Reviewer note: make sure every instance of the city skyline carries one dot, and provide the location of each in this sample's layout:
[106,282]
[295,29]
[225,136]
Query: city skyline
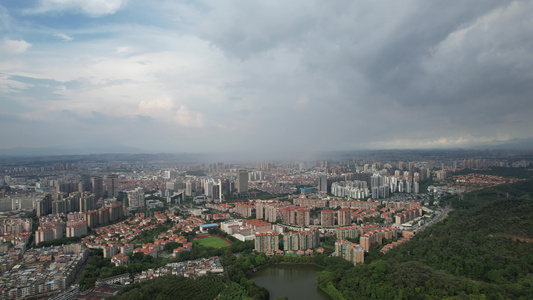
[203,76]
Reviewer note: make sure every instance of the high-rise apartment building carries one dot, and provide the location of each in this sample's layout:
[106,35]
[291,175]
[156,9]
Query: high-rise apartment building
[44,206]
[87,203]
[327,218]
[112,186]
[225,187]
[97,187]
[66,187]
[351,252]
[267,242]
[215,193]
[322,183]
[345,217]
[188,188]
[348,232]
[221,189]
[303,217]
[242,182]
[302,240]
[136,198]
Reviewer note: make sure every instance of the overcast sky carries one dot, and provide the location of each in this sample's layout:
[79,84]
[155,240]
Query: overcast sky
[174,76]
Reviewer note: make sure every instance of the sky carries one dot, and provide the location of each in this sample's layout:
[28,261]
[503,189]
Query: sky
[300,76]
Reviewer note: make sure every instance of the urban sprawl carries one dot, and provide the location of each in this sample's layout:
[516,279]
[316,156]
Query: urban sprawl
[55,213]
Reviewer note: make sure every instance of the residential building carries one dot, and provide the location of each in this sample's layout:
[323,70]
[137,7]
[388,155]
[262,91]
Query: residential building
[265,242]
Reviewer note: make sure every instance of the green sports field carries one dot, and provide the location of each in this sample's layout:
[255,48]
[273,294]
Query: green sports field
[213,242]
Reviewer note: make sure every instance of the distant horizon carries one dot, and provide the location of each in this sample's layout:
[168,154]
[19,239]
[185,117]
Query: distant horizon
[26,152]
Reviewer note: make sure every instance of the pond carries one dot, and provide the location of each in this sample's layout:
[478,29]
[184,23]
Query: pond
[296,281]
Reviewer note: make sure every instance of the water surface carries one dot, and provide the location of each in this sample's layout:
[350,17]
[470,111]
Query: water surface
[295,281]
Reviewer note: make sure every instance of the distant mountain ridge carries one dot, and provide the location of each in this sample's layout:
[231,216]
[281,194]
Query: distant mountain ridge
[113,148]
[518,144]
[69,150]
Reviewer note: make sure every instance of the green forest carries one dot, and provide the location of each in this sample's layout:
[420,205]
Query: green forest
[175,287]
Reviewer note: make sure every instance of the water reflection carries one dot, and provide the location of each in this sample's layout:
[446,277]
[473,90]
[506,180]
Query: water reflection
[294,281]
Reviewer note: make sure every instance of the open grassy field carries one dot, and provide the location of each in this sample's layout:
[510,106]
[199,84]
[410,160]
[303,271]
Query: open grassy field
[213,242]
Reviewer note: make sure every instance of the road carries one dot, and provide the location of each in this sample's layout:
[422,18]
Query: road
[438,218]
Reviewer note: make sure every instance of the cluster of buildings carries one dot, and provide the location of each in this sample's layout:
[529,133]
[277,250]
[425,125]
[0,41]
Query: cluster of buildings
[191,268]
[369,236]
[270,187]
[17,202]
[61,204]
[218,216]
[188,225]
[14,236]
[372,182]
[267,242]
[226,207]
[243,209]
[301,240]
[246,230]
[55,226]
[215,189]
[43,272]
[10,226]
[110,213]
[155,248]
[408,215]
[393,245]
[123,232]
[375,237]
[72,201]
[51,227]
[116,240]
[473,182]
[356,189]
[286,212]
[327,217]
[270,211]
[350,251]
[311,202]
[333,212]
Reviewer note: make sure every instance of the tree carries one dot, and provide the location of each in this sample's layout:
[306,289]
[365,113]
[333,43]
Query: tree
[260,259]
[172,245]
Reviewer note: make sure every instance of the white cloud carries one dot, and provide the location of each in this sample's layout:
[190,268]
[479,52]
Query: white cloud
[123,50]
[188,118]
[63,37]
[156,108]
[442,142]
[11,86]
[93,8]
[14,46]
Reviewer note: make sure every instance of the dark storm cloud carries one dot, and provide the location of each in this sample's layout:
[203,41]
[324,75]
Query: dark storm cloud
[466,62]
